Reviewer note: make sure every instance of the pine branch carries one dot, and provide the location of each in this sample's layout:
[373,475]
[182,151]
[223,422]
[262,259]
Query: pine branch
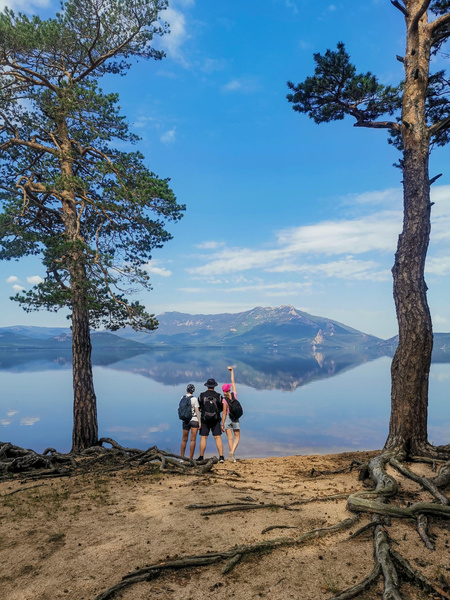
[378,125]
[400,7]
[422,10]
[441,21]
[443,124]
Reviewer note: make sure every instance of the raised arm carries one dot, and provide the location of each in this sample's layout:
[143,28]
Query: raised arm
[233,384]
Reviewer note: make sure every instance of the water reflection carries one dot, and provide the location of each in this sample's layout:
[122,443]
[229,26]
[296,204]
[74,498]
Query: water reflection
[294,403]
[267,369]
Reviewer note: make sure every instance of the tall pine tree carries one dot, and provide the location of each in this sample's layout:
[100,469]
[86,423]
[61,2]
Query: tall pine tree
[93,212]
[417,115]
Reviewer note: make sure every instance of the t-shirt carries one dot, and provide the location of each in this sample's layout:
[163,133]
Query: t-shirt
[194,405]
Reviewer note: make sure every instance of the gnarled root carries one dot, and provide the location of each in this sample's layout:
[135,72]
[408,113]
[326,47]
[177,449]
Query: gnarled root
[232,557]
[31,465]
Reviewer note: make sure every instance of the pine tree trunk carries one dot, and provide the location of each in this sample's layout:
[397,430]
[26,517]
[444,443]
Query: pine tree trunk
[411,364]
[85,428]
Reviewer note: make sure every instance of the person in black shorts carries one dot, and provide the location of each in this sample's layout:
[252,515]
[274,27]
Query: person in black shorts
[210,403]
[193,426]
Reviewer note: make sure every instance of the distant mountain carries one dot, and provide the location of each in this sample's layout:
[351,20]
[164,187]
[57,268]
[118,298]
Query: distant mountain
[441,346]
[11,337]
[282,326]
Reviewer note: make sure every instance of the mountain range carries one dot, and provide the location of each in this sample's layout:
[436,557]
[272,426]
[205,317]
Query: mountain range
[284,327]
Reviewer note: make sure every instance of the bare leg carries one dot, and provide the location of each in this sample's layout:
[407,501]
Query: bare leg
[219,444]
[184,440]
[203,444]
[194,432]
[237,436]
[230,439]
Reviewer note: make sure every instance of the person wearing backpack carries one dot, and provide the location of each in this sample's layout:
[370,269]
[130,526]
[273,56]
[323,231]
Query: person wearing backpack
[211,406]
[232,410]
[189,413]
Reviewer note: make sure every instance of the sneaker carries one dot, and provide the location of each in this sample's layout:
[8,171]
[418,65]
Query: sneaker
[199,458]
[221,459]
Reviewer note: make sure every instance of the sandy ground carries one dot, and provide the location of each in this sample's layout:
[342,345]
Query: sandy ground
[73,538]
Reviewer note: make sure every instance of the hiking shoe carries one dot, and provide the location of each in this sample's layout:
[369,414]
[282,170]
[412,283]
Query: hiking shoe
[199,458]
[221,459]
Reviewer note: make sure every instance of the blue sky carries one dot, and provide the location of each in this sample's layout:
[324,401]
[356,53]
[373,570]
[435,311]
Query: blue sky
[279,210]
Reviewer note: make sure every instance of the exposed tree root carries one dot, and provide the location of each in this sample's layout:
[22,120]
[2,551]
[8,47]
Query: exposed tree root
[232,557]
[24,464]
[423,481]
[236,506]
[381,502]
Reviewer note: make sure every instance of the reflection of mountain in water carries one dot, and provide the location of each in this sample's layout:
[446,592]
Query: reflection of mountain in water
[21,361]
[260,369]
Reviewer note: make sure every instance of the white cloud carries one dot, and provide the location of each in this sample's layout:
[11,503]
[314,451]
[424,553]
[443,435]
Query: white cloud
[212,65]
[347,268]
[5,422]
[438,265]
[437,320]
[212,245]
[357,236]
[292,5]
[161,271]
[34,279]
[168,137]
[391,197]
[143,121]
[243,85]
[172,42]
[18,288]
[12,279]
[28,421]
[25,5]
[298,249]
[373,233]
[11,413]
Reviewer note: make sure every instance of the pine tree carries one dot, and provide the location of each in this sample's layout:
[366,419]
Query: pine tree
[91,210]
[417,115]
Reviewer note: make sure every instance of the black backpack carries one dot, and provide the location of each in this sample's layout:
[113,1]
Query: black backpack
[211,410]
[184,409]
[235,409]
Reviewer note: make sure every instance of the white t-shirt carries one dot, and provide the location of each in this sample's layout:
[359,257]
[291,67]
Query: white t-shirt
[194,405]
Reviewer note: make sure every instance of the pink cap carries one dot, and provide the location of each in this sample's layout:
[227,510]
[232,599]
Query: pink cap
[226,387]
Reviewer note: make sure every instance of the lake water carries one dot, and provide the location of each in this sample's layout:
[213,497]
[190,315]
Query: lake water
[293,404]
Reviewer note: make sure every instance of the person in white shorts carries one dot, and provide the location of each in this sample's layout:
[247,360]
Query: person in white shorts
[231,428]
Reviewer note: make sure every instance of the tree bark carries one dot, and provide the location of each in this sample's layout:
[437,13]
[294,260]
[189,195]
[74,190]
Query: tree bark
[411,364]
[85,428]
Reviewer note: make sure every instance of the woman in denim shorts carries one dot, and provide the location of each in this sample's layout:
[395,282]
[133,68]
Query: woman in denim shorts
[230,427]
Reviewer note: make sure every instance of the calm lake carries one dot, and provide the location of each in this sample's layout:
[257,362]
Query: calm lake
[293,404]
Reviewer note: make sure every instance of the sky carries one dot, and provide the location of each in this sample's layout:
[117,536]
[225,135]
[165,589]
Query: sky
[279,210]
